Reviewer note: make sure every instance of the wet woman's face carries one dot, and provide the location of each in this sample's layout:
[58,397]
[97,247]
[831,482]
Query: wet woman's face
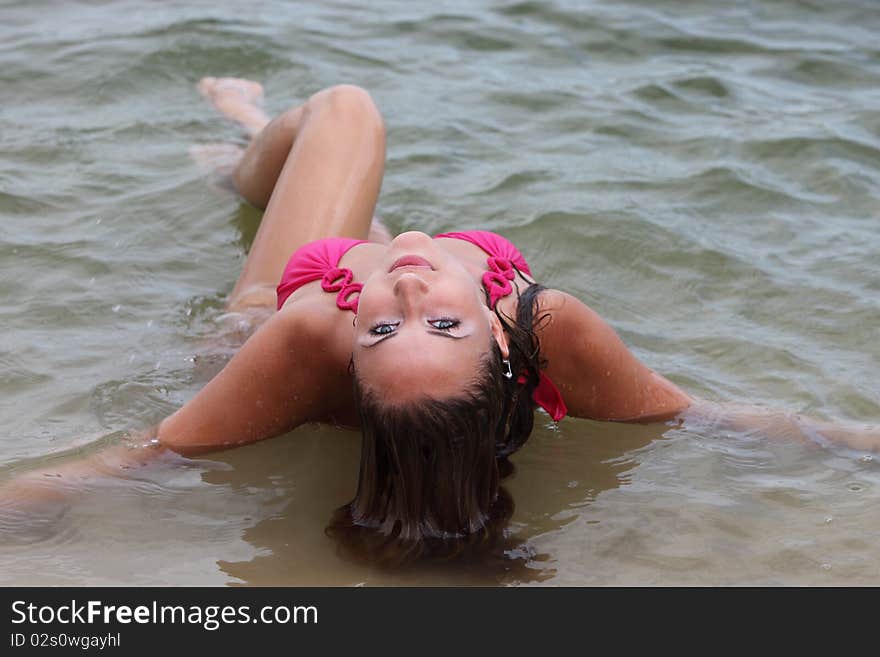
[422,327]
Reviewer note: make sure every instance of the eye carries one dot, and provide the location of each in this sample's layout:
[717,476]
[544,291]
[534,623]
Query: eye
[444,324]
[384,328]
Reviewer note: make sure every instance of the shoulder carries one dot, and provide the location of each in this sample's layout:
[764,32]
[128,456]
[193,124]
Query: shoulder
[564,324]
[557,309]
[551,309]
[550,300]
[599,377]
[311,317]
[314,322]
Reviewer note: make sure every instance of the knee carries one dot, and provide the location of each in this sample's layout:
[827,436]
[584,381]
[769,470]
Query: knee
[348,102]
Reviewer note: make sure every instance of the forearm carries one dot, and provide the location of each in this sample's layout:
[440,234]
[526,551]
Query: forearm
[60,478]
[741,418]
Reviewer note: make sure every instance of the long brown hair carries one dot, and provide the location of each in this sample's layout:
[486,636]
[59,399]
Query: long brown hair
[430,471]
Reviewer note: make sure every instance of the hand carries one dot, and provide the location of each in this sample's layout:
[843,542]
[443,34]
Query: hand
[33,502]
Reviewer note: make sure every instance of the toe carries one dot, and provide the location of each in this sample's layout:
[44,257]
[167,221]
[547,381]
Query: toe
[206,86]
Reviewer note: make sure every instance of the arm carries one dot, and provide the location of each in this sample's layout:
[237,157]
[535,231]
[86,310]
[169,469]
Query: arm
[745,419]
[600,378]
[277,381]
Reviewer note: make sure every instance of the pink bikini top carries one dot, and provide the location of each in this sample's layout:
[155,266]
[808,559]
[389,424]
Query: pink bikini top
[320,260]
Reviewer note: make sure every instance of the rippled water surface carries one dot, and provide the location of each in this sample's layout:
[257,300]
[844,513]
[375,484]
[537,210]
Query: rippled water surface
[705,175]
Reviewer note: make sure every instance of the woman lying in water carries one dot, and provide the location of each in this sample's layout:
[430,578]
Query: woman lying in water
[439,348]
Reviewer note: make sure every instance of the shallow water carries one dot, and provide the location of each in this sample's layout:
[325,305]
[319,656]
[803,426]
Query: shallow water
[705,175]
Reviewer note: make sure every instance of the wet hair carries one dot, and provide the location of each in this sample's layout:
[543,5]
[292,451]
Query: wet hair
[430,471]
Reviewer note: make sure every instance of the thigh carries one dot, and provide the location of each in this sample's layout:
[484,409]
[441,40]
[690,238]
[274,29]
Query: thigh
[327,186]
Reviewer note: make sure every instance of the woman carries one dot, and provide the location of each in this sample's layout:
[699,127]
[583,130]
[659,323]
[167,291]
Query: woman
[439,348]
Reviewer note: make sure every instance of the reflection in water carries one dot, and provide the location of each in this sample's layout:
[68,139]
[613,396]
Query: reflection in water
[596,503]
[315,471]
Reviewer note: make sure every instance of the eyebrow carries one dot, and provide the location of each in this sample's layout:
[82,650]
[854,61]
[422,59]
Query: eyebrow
[442,334]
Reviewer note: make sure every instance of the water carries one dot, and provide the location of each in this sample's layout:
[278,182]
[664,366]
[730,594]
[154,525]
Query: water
[705,175]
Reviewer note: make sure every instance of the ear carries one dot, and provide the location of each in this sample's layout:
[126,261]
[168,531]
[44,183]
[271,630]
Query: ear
[498,334]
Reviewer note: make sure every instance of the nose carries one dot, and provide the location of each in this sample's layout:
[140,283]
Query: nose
[409,287]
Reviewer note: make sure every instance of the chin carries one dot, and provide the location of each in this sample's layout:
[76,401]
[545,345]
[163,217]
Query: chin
[411,238]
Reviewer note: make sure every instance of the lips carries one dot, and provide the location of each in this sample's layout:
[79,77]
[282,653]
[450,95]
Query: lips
[410,261]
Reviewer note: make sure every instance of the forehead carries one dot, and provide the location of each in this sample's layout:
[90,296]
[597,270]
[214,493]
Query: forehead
[420,365]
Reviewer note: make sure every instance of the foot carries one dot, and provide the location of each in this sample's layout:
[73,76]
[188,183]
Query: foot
[237,99]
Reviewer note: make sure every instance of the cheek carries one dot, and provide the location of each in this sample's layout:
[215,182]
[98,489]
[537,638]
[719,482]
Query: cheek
[373,299]
[461,288]
[465,301]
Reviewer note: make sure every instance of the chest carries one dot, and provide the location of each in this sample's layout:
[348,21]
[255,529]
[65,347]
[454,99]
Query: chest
[341,284]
